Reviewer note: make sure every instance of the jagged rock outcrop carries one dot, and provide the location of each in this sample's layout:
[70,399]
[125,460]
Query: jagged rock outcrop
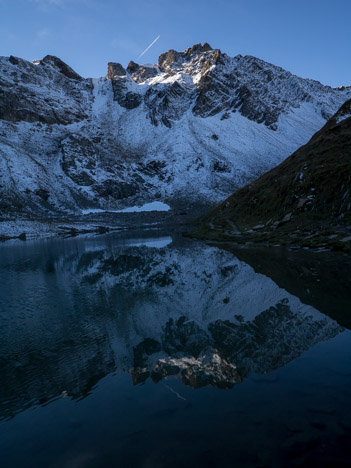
[115,69]
[144,73]
[62,67]
[169,60]
[132,67]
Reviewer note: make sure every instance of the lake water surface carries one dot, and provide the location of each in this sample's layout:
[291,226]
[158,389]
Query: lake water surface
[157,351]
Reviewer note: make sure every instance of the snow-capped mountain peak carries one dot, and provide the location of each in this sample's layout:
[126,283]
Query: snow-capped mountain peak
[194,127]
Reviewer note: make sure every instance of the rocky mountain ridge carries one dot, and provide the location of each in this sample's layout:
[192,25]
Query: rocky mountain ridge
[189,130]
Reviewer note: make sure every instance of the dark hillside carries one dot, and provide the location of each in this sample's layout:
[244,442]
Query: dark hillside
[305,200]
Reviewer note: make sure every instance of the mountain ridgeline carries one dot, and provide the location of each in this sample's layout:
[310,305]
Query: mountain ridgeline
[188,131]
[304,200]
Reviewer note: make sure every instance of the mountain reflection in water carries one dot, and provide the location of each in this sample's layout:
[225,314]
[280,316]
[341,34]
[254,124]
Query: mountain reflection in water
[73,311]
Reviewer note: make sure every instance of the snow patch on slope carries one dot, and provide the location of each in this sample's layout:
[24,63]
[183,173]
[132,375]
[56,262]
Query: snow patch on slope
[153,206]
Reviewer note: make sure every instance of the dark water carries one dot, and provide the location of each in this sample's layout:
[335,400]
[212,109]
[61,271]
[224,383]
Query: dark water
[161,352]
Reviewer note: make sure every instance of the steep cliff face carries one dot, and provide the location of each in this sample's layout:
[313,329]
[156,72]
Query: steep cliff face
[195,127]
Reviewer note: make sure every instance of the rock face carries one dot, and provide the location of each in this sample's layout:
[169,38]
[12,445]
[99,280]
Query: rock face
[209,122]
[172,57]
[48,91]
[61,66]
[125,98]
[115,69]
[132,67]
[143,73]
[308,195]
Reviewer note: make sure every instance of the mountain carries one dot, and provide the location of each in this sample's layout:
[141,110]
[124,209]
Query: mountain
[304,200]
[189,130]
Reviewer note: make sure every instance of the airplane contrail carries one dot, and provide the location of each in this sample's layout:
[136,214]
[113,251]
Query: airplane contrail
[147,48]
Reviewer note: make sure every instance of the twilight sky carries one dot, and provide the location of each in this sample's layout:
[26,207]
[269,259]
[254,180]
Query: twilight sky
[310,38]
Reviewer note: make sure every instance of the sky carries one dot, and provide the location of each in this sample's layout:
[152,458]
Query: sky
[310,38]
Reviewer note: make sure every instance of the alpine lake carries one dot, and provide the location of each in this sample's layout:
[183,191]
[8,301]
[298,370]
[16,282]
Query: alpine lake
[149,349]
